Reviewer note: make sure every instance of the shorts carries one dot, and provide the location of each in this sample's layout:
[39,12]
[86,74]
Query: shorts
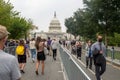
[22,58]
[41,56]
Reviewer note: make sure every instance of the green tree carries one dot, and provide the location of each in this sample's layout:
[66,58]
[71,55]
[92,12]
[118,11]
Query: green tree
[106,14]
[70,24]
[18,27]
[5,12]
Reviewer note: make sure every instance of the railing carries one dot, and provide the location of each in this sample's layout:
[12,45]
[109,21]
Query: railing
[72,69]
[10,50]
[113,54]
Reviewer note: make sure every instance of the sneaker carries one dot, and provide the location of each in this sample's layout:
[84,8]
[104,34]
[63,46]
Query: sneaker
[36,72]
[22,71]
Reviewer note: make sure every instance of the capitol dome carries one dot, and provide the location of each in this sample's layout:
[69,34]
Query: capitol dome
[55,25]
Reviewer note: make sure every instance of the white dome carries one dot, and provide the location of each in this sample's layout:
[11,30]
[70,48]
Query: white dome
[55,25]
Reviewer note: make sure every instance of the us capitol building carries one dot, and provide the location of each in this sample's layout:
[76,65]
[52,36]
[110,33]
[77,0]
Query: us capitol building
[54,31]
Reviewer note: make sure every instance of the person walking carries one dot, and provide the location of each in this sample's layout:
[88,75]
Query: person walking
[9,67]
[49,45]
[54,46]
[22,58]
[39,44]
[33,49]
[89,55]
[99,50]
[79,49]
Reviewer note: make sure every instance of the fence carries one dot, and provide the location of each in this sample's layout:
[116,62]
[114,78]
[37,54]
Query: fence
[10,50]
[113,54]
[72,69]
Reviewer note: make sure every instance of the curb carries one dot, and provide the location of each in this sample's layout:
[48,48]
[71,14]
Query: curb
[114,62]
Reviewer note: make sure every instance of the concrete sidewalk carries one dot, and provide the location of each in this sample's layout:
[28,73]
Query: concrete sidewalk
[113,61]
[112,71]
[53,70]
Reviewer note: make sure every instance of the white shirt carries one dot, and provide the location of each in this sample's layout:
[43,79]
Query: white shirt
[54,44]
[32,44]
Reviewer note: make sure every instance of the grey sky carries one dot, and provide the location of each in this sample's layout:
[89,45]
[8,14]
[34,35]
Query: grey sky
[42,11]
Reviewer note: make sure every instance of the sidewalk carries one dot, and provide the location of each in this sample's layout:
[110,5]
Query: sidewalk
[53,70]
[112,72]
[114,61]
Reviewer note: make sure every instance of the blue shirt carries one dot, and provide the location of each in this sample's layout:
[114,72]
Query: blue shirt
[96,45]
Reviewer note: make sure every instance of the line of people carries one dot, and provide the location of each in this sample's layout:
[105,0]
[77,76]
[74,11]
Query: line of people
[94,52]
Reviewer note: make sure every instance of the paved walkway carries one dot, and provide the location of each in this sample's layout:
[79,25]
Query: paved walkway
[112,71]
[53,70]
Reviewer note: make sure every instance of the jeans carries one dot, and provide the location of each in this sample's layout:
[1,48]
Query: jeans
[33,53]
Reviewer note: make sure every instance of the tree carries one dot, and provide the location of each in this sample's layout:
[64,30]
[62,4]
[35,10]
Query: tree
[19,28]
[5,12]
[69,23]
[106,14]
[16,25]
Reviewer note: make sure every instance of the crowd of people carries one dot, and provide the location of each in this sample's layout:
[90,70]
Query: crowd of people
[38,49]
[94,52]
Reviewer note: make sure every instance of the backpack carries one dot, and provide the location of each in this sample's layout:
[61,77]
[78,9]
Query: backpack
[20,50]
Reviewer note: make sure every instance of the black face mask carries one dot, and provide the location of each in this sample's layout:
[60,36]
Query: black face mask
[99,40]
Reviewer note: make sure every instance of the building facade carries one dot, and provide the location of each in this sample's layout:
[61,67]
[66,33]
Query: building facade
[54,30]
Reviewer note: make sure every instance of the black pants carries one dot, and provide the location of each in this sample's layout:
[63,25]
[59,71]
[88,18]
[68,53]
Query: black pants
[89,62]
[100,69]
[54,53]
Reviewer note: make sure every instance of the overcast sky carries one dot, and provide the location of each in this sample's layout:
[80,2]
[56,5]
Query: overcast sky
[42,11]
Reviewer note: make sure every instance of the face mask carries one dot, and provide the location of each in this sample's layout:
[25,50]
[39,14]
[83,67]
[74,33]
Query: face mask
[99,40]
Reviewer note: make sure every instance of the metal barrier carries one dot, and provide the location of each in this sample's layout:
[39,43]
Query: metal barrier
[72,69]
[113,54]
[10,50]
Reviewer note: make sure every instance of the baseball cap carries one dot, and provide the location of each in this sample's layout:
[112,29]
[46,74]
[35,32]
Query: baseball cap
[3,32]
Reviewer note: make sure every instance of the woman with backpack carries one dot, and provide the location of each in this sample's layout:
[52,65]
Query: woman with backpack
[22,52]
